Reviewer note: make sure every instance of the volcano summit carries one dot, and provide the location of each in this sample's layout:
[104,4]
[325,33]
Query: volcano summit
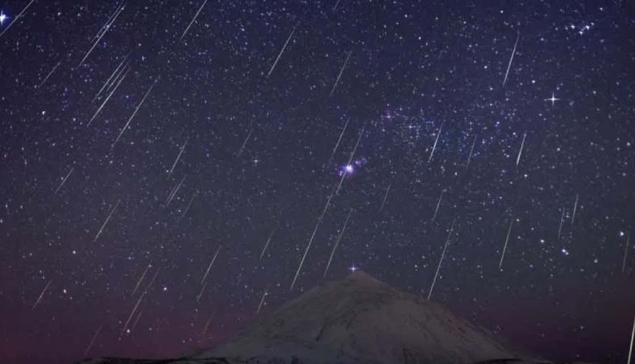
[352,321]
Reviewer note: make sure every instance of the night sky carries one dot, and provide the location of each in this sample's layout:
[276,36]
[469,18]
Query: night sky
[232,129]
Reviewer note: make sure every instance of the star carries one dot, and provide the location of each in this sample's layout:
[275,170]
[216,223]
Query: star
[353,268]
[553,99]
[3,17]
[347,170]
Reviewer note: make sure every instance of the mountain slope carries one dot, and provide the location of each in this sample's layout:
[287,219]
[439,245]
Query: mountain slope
[356,320]
[362,320]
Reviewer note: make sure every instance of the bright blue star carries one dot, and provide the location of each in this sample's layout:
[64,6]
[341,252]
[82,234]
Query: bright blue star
[349,170]
[3,17]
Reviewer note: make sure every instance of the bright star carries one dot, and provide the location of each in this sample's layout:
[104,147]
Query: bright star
[3,17]
[553,99]
[353,268]
[350,169]
[347,170]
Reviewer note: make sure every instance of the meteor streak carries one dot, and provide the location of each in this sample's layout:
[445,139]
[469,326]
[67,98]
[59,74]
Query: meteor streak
[434,147]
[281,51]
[108,97]
[244,143]
[193,20]
[337,242]
[63,181]
[41,294]
[509,231]
[339,140]
[385,197]
[101,33]
[210,265]
[341,72]
[49,74]
[178,157]
[107,219]
[141,278]
[267,243]
[207,323]
[113,76]
[469,158]
[200,294]
[262,300]
[630,350]
[628,243]
[575,207]
[125,326]
[175,190]
[445,246]
[561,221]
[438,204]
[520,152]
[135,112]
[509,66]
[189,204]
[93,340]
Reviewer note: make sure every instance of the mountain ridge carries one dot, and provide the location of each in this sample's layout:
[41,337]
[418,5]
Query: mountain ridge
[355,320]
[362,317]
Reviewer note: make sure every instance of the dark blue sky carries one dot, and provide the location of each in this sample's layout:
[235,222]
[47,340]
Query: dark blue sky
[202,146]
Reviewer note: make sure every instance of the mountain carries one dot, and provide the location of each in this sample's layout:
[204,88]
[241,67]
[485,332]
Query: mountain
[353,321]
[362,320]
